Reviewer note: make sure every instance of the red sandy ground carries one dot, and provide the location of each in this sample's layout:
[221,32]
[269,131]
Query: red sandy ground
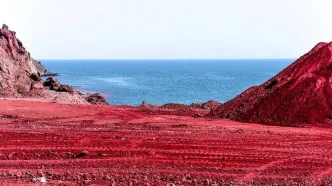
[124,146]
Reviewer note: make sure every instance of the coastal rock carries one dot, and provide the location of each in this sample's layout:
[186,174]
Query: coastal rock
[50,74]
[15,65]
[52,83]
[20,75]
[36,85]
[42,70]
[35,77]
[66,88]
[96,99]
[299,94]
[39,67]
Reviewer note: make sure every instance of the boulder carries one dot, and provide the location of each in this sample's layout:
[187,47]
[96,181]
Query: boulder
[52,83]
[35,76]
[66,88]
[96,99]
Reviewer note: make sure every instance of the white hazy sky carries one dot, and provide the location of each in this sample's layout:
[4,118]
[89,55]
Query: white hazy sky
[126,29]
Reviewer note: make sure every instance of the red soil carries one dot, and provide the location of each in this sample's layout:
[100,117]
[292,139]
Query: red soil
[299,94]
[104,145]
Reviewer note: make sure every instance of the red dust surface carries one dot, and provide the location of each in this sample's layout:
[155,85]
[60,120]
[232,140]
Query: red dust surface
[104,145]
[301,93]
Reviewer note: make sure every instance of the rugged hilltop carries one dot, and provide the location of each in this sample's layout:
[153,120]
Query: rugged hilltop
[20,76]
[301,93]
[15,64]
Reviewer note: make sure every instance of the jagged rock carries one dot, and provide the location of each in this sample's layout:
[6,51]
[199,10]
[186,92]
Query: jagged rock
[299,94]
[35,76]
[4,26]
[15,65]
[50,74]
[52,83]
[66,88]
[96,99]
[20,74]
[40,68]
[36,85]
[82,154]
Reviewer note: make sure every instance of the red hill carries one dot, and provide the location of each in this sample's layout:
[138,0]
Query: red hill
[301,93]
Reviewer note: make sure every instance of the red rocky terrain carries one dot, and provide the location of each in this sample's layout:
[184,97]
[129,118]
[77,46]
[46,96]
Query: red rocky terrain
[104,145]
[44,142]
[301,93]
[20,76]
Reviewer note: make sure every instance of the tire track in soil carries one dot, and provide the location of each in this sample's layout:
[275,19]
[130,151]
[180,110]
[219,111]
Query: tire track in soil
[127,148]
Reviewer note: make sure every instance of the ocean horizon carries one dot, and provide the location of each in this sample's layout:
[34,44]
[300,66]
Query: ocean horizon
[161,81]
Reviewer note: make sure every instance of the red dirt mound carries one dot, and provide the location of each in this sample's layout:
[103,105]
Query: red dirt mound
[193,110]
[301,93]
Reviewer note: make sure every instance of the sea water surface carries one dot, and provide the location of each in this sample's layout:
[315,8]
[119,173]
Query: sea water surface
[165,81]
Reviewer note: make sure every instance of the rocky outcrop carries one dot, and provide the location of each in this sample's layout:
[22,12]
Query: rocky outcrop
[52,83]
[42,70]
[39,67]
[15,65]
[5,27]
[20,75]
[66,88]
[35,77]
[193,110]
[301,93]
[96,99]
[209,105]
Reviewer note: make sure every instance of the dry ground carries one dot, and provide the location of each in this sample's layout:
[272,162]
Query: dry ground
[101,145]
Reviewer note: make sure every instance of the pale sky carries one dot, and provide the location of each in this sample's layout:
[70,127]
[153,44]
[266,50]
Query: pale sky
[168,29]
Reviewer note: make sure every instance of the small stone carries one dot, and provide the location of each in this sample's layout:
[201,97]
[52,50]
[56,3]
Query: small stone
[42,180]
[82,154]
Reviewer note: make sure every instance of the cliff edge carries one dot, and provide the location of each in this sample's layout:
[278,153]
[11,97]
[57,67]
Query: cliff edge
[20,75]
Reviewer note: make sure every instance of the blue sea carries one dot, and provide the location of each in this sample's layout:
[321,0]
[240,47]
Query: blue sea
[165,81]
